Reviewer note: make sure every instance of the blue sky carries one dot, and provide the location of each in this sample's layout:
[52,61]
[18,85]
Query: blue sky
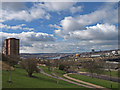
[57,27]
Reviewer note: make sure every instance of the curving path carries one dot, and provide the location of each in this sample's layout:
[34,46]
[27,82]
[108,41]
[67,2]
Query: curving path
[60,78]
[80,81]
[77,82]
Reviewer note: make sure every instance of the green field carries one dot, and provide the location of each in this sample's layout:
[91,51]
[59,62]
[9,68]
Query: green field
[21,80]
[113,73]
[96,81]
[56,71]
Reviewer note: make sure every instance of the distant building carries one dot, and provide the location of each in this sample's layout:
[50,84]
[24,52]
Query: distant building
[11,46]
[77,55]
[93,50]
[119,52]
[95,55]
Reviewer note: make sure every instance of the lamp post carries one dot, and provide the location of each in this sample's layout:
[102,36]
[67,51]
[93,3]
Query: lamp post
[110,77]
[9,73]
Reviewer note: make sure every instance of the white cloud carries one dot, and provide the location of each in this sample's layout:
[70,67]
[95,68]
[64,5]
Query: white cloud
[98,32]
[54,26]
[79,36]
[76,9]
[27,15]
[37,11]
[106,14]
[14,6]
[28,38]
[68,47]
[24,14]
[21,27]
[57,6]
[77,27]
[32,42]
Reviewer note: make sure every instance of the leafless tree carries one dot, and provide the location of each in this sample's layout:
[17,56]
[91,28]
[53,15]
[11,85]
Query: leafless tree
[30,65]
[93,67]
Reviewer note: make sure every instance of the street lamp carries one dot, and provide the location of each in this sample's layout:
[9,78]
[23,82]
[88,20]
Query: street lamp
[9,80]
[110,77]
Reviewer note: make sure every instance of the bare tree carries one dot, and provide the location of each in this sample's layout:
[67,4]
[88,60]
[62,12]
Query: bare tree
[30,65]
[49,64]
[99,67]
[93,67]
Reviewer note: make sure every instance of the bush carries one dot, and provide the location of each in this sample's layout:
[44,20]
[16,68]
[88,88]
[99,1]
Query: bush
[61,67]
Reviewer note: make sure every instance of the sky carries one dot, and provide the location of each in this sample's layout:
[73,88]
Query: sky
[60,27]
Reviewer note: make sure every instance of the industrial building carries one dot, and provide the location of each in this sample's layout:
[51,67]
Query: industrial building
[11,47]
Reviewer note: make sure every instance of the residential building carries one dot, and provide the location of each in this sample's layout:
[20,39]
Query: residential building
[11,47]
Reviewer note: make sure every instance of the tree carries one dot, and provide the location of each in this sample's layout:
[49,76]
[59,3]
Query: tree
[10,60]
[49,64]
[30,65]
[66,65]
[93,67]
[61,67]
[99,67]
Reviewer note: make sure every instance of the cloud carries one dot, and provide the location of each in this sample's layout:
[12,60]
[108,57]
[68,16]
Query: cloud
[68,47]
[16,27]
[18,11]
[80,33]
[28,14]
[32,42]
[98,32]
[77,27]
[14,6]
[105,14]
[57,6]
[76,9]
[54,26]
[28,38]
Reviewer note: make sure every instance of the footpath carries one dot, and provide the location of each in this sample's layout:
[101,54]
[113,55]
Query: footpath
[80,81]
[73,81]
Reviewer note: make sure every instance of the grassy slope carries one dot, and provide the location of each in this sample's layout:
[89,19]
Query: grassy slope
[20,80]
[96,81]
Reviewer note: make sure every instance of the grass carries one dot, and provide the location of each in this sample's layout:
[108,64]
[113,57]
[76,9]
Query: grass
[96,81]
[113,73]
[21,80]
[56,71]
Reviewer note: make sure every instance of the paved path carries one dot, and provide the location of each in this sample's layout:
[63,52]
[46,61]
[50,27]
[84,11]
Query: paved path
[104,77]
[60,78]
[88,85]
[93,85]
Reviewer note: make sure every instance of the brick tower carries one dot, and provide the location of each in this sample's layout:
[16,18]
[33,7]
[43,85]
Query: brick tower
[11,47]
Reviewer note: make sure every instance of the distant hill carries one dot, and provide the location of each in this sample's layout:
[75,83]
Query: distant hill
[44,55]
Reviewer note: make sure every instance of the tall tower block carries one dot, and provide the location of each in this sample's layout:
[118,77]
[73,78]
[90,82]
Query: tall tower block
[11,46]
